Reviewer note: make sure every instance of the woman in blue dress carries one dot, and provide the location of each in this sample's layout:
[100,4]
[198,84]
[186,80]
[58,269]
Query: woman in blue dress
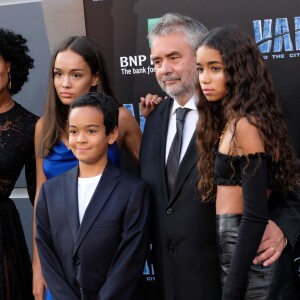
[77,67]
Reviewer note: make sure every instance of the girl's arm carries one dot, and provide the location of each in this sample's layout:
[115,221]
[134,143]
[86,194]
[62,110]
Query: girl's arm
[254,175]
[130,134]
[38,283]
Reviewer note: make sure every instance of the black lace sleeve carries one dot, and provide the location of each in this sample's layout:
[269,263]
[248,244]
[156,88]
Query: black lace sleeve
[17,149]
[30,172]
[254,175]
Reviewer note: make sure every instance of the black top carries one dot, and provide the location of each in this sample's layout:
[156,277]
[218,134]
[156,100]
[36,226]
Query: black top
[252,173]
[227,168]
[17,149]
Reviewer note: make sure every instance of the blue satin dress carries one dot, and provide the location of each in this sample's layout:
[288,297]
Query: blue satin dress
[61,159]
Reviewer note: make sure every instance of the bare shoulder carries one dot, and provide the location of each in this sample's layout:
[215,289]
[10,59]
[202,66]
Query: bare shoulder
[126,119]
[248,139]
[124,114]
[39,126]
[243,125]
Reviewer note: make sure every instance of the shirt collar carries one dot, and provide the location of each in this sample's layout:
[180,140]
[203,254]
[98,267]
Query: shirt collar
[191,104]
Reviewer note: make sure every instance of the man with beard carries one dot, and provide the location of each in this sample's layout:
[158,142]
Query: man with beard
[184,239]
[186,261]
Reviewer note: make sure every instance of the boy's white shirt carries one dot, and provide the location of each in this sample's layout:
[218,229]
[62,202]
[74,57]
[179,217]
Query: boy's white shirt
[86,189]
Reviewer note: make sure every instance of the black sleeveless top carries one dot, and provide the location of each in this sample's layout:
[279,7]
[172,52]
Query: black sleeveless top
[227,168]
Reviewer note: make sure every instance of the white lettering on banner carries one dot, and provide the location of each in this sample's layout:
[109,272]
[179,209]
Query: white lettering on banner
[130,61]
[294,55]
[126,71]
[136,65]
[277,56]
[139,71]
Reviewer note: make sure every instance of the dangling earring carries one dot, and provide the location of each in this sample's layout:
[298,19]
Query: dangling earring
[9,82]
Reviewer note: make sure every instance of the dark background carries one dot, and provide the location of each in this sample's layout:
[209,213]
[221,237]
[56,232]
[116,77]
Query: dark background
[120,29]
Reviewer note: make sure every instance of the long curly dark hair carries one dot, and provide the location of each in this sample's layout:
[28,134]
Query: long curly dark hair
[56,113]
[251,94]
[14,49]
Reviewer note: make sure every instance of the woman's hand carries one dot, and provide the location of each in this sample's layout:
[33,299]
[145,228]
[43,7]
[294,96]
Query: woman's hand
[148,104]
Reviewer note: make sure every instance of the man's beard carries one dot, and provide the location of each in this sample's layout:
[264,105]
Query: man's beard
[178,90]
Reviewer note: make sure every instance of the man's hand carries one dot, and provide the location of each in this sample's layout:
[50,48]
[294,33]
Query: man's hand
[38,284]
[148,103]
[272,244]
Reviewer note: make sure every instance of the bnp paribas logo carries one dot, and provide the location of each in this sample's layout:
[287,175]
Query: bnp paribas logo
[278,38]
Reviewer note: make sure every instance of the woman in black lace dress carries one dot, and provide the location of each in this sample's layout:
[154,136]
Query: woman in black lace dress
[16,151]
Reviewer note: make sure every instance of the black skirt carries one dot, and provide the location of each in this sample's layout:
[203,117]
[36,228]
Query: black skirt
[15,263]
[275,282]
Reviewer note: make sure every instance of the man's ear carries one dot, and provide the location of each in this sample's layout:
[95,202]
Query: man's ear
[112,137]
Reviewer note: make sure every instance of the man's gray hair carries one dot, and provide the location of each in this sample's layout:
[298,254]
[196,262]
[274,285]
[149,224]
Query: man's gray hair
[174,22]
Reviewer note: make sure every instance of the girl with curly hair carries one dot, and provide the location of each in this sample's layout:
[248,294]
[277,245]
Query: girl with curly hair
[17,150]
[246,161]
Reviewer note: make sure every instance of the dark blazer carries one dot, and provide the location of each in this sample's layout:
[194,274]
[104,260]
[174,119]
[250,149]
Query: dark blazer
[186,260]
[103,257]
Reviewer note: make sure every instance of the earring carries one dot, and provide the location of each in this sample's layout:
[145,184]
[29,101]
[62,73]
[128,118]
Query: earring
[9,82]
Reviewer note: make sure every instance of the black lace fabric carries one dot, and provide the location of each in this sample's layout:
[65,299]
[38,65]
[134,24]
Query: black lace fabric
[16,151]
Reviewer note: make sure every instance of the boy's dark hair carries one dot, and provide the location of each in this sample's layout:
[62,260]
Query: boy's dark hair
[103,103]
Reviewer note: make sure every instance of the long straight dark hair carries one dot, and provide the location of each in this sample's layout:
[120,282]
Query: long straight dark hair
[56,113]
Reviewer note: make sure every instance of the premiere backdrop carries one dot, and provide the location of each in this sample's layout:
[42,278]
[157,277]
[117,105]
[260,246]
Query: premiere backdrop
[120,28]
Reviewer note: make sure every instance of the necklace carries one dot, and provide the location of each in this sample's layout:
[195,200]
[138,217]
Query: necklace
[1,108]
[225,129]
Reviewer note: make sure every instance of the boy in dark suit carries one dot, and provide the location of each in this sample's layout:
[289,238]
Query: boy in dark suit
[92,221]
